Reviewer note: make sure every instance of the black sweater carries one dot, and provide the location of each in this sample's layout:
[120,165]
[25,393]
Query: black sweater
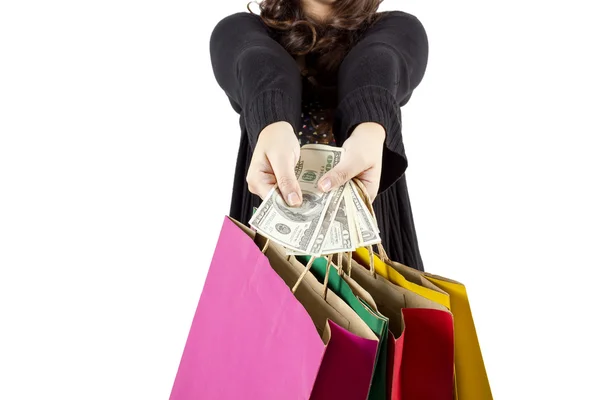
[264,85]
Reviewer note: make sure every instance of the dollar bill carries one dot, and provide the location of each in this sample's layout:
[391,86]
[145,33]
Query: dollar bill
[351,212]
[365,222]
[342,235]
[352,227]
[324,232]
[302,229]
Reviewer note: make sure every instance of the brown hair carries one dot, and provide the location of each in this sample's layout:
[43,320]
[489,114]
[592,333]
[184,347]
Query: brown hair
[330,39]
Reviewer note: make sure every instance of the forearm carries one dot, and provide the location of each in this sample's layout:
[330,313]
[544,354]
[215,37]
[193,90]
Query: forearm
[381,72]
[376,78]
[260,78]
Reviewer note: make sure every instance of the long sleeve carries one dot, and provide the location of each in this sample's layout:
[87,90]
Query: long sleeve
[258,75]
[377,77]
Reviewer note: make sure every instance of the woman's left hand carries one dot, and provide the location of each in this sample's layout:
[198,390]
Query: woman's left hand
[362,155]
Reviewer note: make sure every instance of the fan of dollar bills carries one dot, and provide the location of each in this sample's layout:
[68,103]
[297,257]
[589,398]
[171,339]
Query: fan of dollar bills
[325,223]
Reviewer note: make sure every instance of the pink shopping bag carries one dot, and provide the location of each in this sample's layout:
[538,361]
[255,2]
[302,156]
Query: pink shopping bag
[252,338]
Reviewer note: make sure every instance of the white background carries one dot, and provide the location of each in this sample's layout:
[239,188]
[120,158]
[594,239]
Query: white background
[117,152]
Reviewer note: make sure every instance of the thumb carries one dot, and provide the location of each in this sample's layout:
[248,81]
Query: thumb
[288,185]
[339,175]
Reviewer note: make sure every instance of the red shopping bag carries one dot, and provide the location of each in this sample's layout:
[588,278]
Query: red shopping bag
[421,340]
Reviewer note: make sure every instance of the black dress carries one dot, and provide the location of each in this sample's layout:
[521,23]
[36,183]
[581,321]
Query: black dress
[264,85]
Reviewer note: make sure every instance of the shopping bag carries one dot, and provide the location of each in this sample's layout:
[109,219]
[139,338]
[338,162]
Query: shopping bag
[471,381]
[404,277]
[252,338]
[471,377]
[374,320]
[350,354]
[421,347]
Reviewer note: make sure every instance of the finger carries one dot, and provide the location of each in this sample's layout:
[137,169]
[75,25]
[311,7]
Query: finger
[260,183]
[340,174]
[370,182]
[371,191]
[288,185]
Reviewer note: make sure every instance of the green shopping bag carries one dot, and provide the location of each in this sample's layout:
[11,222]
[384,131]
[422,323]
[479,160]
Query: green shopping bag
[374,320]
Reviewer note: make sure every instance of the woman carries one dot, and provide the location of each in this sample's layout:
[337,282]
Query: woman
[326,71]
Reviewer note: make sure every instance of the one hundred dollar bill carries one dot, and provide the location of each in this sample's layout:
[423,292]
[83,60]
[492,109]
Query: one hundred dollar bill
[302,229]
[353,226]
[324,233]
[342,236]
[352,218]
[365,222]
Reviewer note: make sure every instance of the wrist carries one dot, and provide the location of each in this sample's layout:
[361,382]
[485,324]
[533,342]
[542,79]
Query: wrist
[277,128]
[370,130]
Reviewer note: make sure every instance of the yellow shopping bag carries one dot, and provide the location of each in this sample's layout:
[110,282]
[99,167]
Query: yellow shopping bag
[471,377]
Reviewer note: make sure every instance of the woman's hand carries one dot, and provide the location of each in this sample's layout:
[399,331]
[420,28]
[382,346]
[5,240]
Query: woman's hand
[274,159]
[361,159]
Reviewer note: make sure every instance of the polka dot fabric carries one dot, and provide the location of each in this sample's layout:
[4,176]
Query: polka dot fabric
[315,116]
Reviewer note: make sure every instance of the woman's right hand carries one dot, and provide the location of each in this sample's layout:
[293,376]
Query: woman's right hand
[273,162]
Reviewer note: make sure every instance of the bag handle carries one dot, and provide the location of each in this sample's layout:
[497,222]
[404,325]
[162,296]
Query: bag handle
[306,269]
[362,192]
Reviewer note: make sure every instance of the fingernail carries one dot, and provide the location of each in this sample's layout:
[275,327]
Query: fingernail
[326,184]
[293,199]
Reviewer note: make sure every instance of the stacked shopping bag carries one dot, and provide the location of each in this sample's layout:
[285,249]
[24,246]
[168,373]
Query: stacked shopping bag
[273,326]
